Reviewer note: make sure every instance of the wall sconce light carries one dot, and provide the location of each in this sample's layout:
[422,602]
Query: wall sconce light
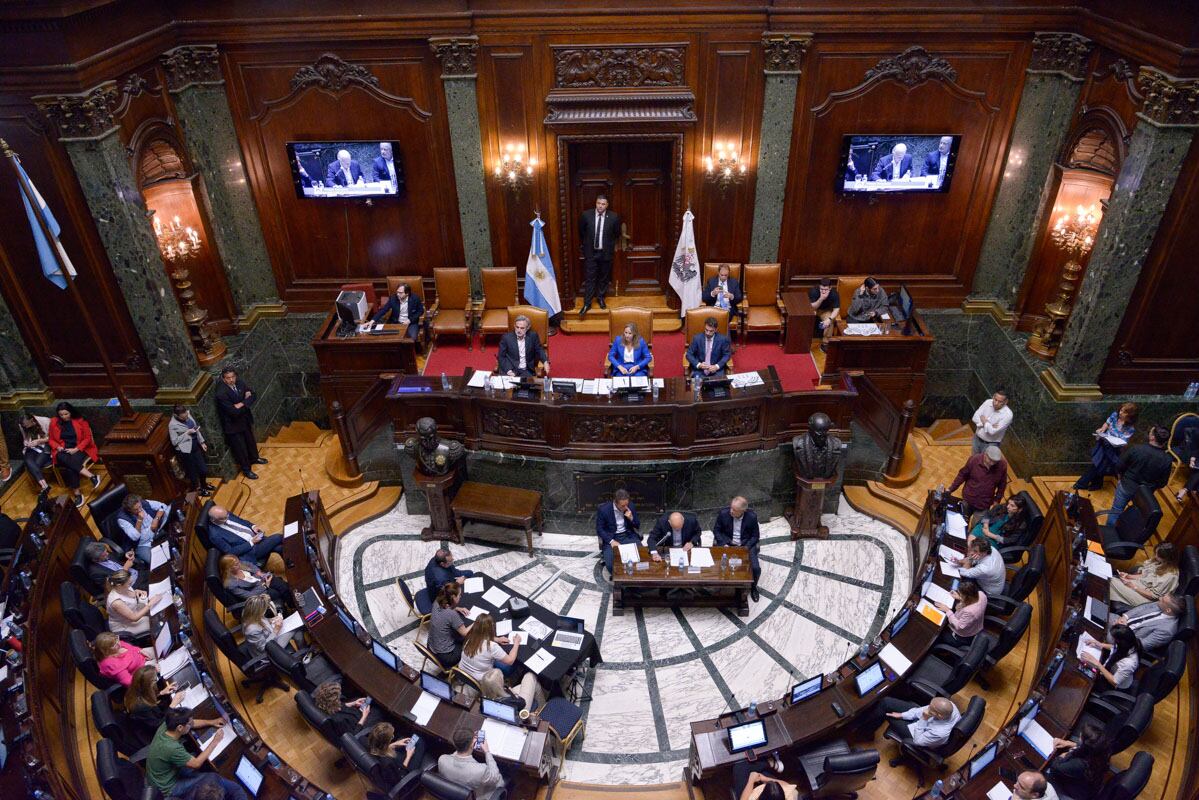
[176,242]
[514,169]
[1075,236]
[723,167]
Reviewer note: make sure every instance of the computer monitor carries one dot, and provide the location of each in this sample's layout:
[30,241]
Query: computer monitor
[500,711]
[902,304]
[869,678]
[351,307]
[805,689]
[900,621]
[249,776]
[983,760]
[747,735]
[385,655]
[435,686]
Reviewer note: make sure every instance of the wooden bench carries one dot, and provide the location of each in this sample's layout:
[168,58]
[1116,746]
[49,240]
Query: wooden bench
[501,505]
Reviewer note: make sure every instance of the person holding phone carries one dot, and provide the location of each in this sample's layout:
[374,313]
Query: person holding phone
[462,767]
[396,757]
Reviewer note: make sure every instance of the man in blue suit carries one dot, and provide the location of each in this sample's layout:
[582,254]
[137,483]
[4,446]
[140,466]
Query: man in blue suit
[710,351]
[737,526]
[722,290]
[894,166]
[675,530]
[239,537]
[344,171]
[403,308]
[616,523]
[386,168]
[937,162]
[441,570]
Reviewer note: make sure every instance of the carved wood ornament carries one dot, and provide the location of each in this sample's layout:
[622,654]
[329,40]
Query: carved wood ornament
[783,52]
[618,67]
[191,66]
[1060,54]
[333,75]
[913,66]
[89,115]
[612,84]
[458,55]
[620,430]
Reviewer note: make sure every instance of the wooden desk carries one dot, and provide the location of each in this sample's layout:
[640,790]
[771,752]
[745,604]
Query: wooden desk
[642,587]
[502,505]
[351,366]
[800,322]
[893,360]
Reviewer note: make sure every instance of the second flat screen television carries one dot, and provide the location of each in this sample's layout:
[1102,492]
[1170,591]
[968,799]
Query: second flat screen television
[897,162]
[346,169]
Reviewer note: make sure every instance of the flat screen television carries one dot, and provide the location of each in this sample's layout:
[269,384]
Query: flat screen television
[897,162]
[330,170]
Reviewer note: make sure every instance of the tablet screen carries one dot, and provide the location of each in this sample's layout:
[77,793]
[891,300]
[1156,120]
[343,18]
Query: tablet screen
[747,735]
[501,711]
[900,621]
[800,691]
[249,775]
[983,760]
[869,678]
[385,655]
[435,686]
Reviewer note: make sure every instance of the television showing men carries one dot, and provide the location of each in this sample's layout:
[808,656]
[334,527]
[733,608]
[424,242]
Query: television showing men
[521,351]
[710,351]
[936,163]
[598,231]
[386,166]
[897,164]
[344,171]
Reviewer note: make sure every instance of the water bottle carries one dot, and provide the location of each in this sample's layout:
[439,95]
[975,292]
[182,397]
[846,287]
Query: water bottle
[239,728]
[935,792]
[697,385]
[445,382]
[753,708]
[864,650]
[939,492]
[628,566]
[178,599]
[185,640]
[1192,391]
[546,386]
[273,759]
[654,389]
[206,679]
[724,563]
[1079,540]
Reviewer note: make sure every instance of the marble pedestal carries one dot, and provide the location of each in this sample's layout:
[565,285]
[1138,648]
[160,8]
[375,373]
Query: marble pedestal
[439,493]
[809,504]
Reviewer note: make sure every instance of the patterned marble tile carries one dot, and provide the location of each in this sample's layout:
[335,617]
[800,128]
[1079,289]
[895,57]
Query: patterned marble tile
[624,721]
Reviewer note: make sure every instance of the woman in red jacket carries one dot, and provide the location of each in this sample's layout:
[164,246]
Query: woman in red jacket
[71,444]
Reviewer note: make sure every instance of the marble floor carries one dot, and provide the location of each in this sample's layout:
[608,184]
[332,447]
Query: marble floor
[663,667]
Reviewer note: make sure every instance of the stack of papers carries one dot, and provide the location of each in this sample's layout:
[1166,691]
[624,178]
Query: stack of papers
[539,661]
[292,623]
[740,380]
[536,628]
[629,552]
[999,792]
[931,612]
[504,740]
[478,380]
[862,329]
[955,525]
[424,707]
[1097,565]
[630,382]
[702,557]
[951,570]
[1114,441]
[502,382]
[678,557]
[897,661]
[194,696]
[948,553]
[159,555]
[291,529]
[476,612]
[1088,644]
[174,662]
[496,596]
[472,585]
[936,594]
[163,589]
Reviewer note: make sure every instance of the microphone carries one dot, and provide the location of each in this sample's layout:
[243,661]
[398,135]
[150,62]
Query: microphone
[734,706]
[664,538]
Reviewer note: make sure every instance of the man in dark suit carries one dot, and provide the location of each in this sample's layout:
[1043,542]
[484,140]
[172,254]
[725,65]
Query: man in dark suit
[710,351]
[598,231]
[100,560]
[233,402]
[344,171]
[674,530]
[937,162]
[737,526]
[403,308]
[520,351]
[239,537]
[441,570]
[722,290]
[894,166]
[386,168]
[616,523]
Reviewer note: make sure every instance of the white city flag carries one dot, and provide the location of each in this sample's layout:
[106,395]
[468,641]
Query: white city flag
[684,270]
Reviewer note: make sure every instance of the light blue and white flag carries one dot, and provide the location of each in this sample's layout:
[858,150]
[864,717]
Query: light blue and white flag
[541,286]
[35,207]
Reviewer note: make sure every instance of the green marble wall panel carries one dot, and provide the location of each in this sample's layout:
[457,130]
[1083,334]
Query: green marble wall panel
[1042,122]
[1143,189]
[17,370]
[462,108]
[102,168]
[778,115]
[203,112]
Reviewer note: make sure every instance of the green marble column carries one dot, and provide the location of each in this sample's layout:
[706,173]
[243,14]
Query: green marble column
[87,128]
[194,80]
[783,54]
[1051,89]
[19,377]
[1167,123]
[459,78]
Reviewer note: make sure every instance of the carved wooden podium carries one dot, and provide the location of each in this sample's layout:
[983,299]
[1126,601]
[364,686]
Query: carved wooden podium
[809,503]
[439,491]
[137,452]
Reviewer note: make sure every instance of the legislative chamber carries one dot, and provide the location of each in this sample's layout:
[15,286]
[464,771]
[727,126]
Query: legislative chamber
[509,400]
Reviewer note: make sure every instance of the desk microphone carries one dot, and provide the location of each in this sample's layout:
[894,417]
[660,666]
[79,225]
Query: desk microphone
[733,706]
[664,538]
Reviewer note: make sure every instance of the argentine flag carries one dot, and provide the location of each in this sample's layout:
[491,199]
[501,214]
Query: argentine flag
[36,207]
[541,287]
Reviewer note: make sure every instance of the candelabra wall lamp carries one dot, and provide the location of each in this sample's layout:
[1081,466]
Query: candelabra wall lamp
[515,168]
[723,167]
[1074,234]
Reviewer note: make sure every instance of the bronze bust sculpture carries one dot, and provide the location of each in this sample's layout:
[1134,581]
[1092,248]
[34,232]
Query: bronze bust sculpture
[433,456]
[817,452]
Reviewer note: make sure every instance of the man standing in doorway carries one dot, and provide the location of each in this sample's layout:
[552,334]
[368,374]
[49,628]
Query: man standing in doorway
[598,230]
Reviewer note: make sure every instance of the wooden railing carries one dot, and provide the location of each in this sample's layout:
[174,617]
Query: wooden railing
[876,412]
[356,425]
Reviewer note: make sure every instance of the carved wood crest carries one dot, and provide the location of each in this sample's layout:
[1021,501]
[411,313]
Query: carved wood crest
[620,430]
[1169,102]
[613,84]
[333,75]
[618,67]
[514,423]
[913,66]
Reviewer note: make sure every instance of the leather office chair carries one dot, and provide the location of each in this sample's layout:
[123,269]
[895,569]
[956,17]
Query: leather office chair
[643,318]
[1188,570]
[1129,784]
[120,779]
[1020,585]
[1003,634]
[833,770]
[79,614]
[1121,726]
[693,325]
[79,564]
[933,677]
[936,757]
[446,789]
[453,310]
[290,663]
[1157,680]
[368,765]
[1185,632]
[416,286]
[763,303]
[318,719]
[1133,528]
[539,321]
[85,661]
[257,669]
[202,525]
[499,292]
[737,273]
[113,725]
[846,286]
[368,289]
[104,513]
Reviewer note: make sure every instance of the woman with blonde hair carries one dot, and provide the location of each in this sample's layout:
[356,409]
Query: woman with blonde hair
[1149,581]
[258,628]
[482,652]
[146,702]
[243,580]
[117,660]
[128,608]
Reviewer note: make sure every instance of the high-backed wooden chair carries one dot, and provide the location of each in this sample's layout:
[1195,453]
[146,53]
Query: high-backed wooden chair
[499,292]
[693,325]
[417,287]
[736,272]
[539,321]
[643,318]
[763,304]
[846,286]
[452,311]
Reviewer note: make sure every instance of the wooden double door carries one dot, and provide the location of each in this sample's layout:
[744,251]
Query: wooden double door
[635,175]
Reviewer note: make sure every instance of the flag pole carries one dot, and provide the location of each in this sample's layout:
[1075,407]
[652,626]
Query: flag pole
[126,408]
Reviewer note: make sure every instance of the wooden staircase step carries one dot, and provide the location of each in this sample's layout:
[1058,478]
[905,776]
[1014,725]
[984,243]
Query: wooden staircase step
[949,432]
[874,500]
[666,319]
[301,432]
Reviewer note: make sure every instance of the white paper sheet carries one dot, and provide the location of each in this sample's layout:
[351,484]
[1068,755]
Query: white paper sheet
[937,614]
[536,628]
[678,557]
[952,570]
[862,329]
[424,707]
[161,604]
[1114,441]
[472,585]
[589,387]
[194,696]
[893,658]
[1097,565]
[502,382]
[702,557]
[173,662]
[937,594]
[227,737]
[291,529]
[503,627]
[639,382]
[999,792]
[955,525]
[496,596]
[1039,738]
[4,673]
[948,553]
[660,383]
[539,661]
[1088,644]
[161,587]
[629,552]
[292,623]
[478,380]
[159,555]
[162,642]
[476,612]
[740,380]
[621,382]
[504,740]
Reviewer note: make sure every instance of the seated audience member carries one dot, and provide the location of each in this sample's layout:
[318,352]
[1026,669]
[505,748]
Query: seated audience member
[441,570]
[174,771]
[344,171]
[991,421]
[826,302]
[1154,623]
[448,626]
[709,352]
[146,705]
[243,581]
[983,479]
[395,756]
[1081,767]
[10,533]
[141,520]
[984,564]
[936,163]
[926,726]
[117,660]
[1032,786]
[521,351]
[749,783]
[482,657]
[674,530]
[1147,465]
[239,537]
[737,526]
[722,290]
[629,354]
[258,628]
[893,166]
[616,523]
[1119,666]
[1153,578]
[403,308]
[462,768]
[869,302]
[344,717]
[1105,456]
[190,447]
[128,608]
[966,621]
[71,445]
[101,562]
[384,164]
[1004,523]
[35,450]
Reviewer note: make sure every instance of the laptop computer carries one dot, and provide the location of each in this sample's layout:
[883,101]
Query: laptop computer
[249,776]
[500,711]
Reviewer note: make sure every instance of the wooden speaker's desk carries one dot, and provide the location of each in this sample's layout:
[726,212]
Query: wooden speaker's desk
[895,358]
[351,365]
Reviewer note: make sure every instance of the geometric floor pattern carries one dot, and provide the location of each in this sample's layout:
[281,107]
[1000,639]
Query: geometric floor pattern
[663,667]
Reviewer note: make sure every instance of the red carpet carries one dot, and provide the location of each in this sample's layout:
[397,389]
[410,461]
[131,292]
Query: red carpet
[581,355]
